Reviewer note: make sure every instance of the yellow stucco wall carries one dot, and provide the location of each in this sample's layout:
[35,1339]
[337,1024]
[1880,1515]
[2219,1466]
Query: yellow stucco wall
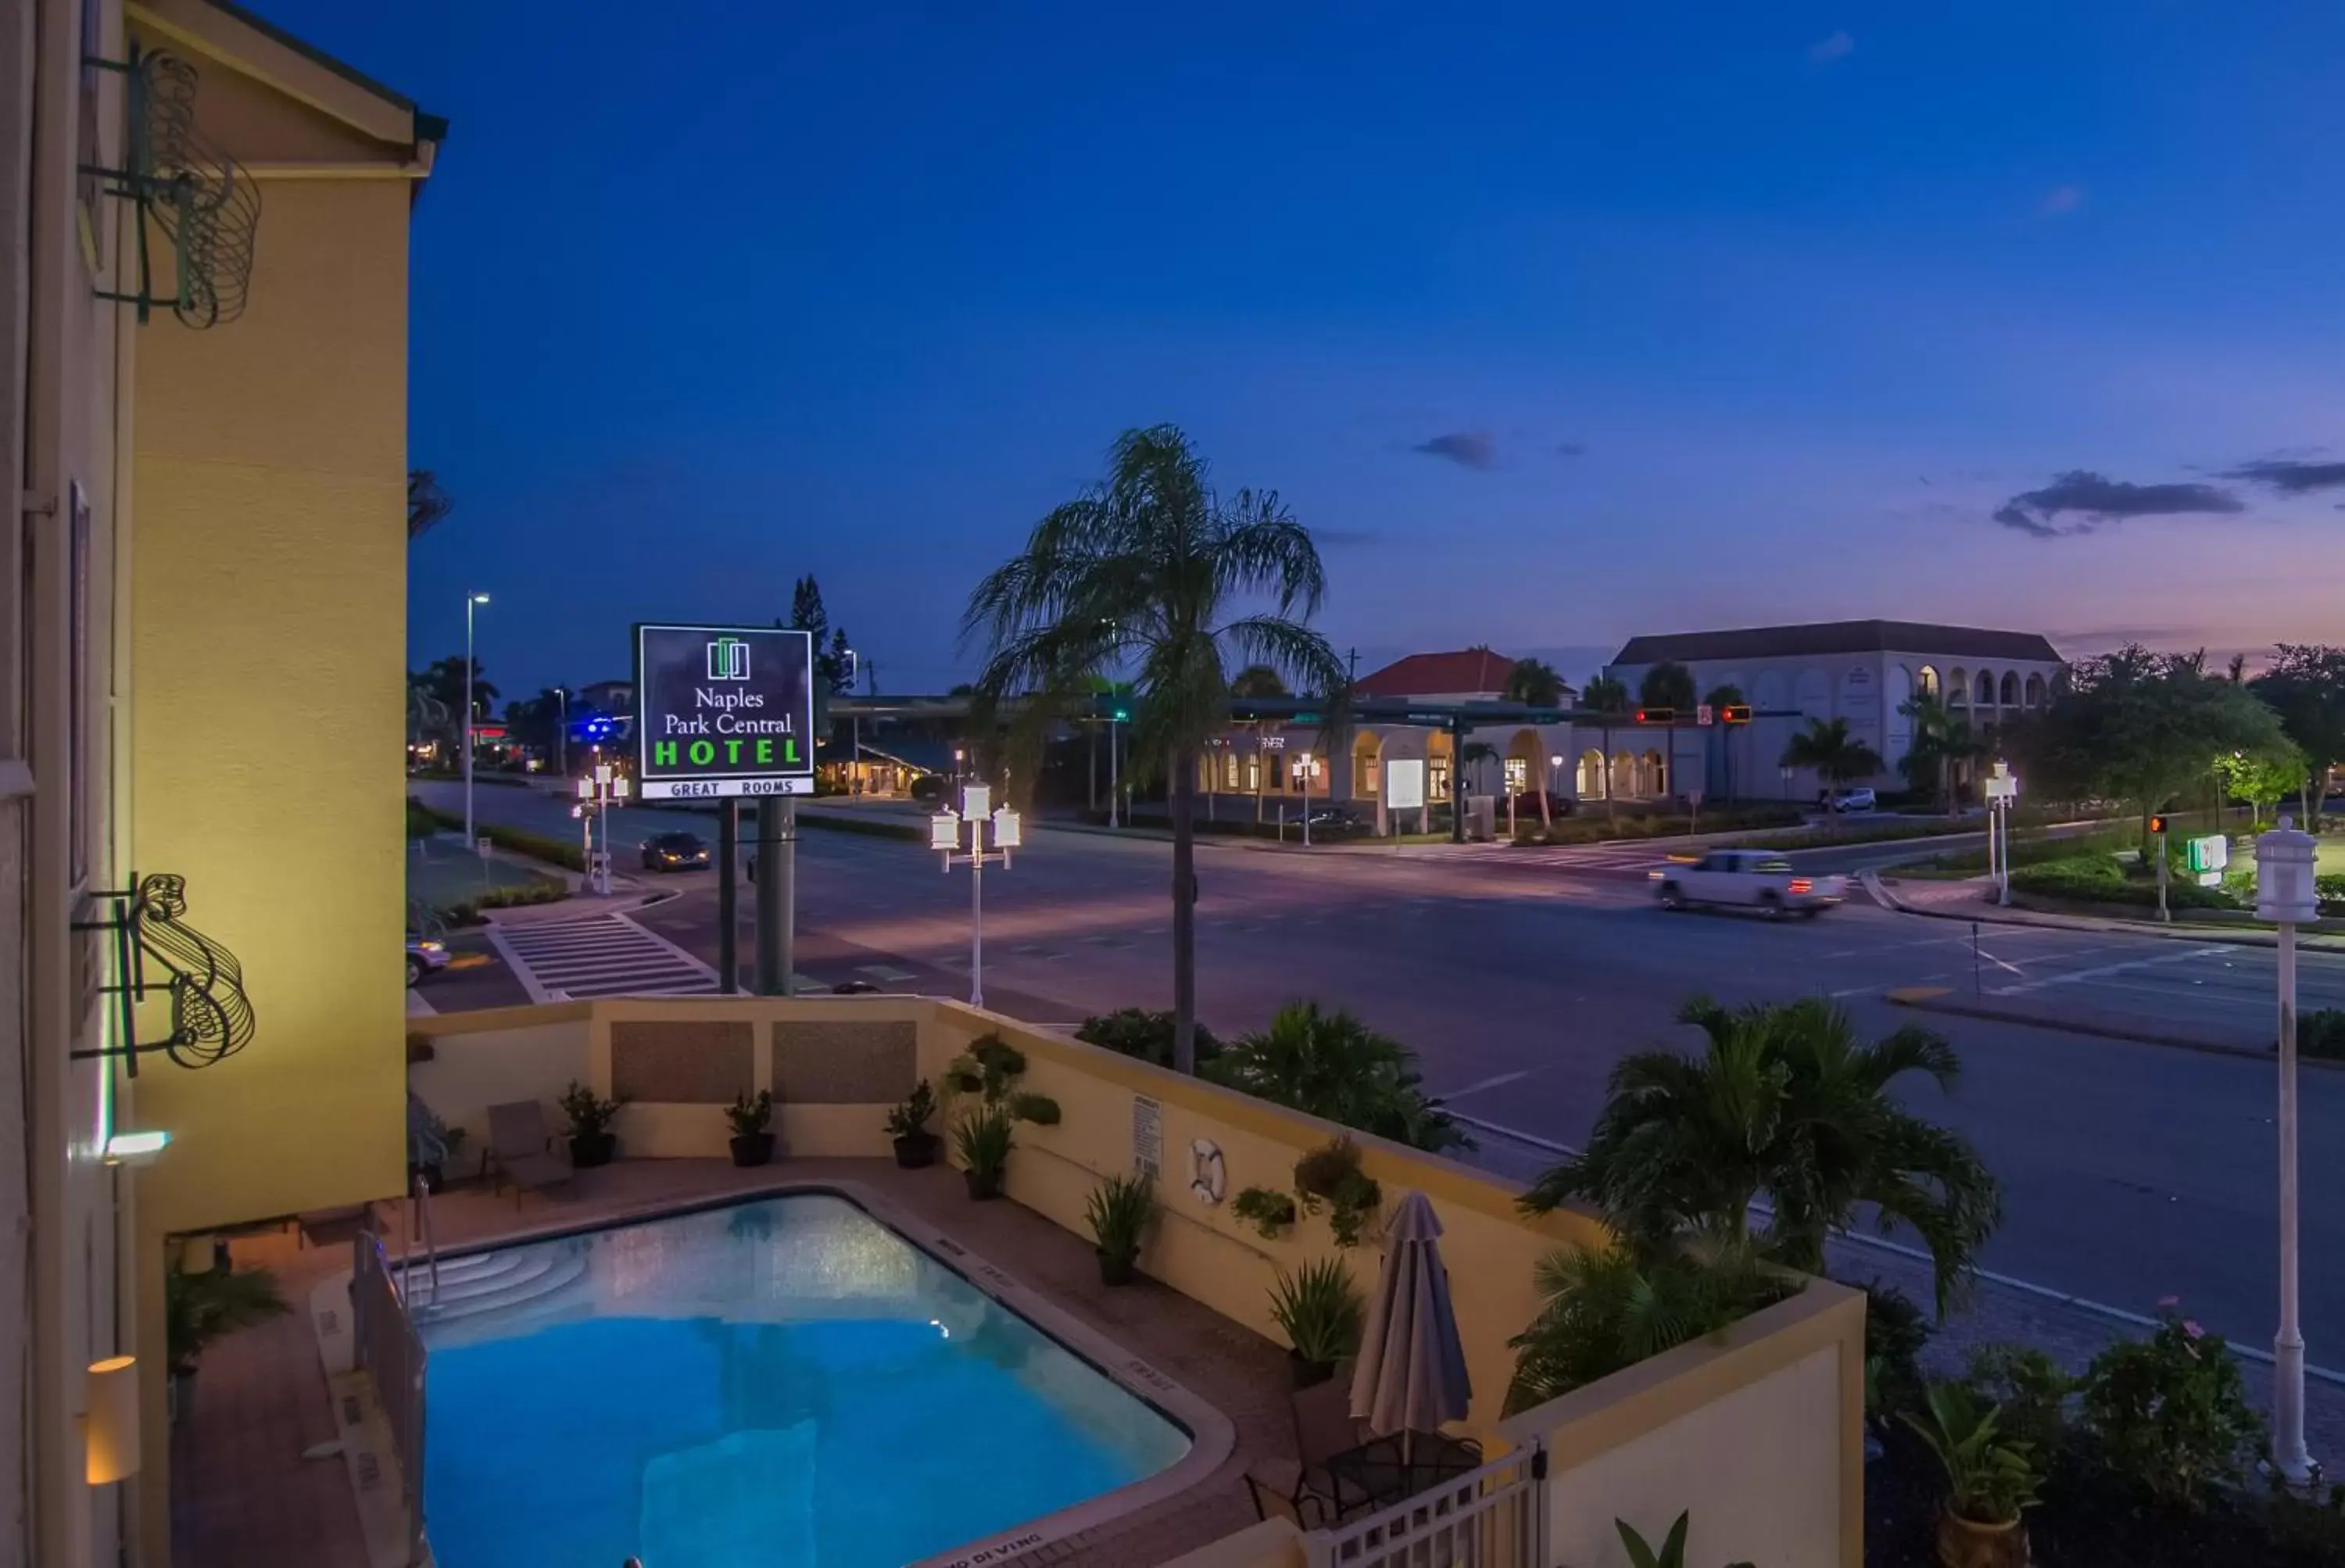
[268,617]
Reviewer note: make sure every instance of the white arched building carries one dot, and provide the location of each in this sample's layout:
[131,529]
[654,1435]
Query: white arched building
[1862,671]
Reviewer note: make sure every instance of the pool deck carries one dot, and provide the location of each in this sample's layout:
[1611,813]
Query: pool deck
[242,1494]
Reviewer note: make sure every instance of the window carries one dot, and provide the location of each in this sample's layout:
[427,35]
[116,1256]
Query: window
[1927,681]
[2010,696]
[2034,691]
[1986,688]
[1958,689]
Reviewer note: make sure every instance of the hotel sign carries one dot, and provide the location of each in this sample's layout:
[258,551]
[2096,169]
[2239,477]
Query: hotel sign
[723,710]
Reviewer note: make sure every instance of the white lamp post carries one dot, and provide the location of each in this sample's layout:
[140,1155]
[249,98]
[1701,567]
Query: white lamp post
[2286,896]
[2002,789]
[1307,765]
[470,601]
[561,733]
[945,835]
[601,789]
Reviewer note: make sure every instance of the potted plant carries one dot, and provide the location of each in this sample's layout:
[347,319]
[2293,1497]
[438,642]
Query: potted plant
[1990,1479]
[430,1144]
[907,1123]
[1267,1211]
[592,1142]
[1331,1174]
[1321,1313]
[1671,1551]
[752,1117]
[1119,1211]
[199,1309]
[983,1139]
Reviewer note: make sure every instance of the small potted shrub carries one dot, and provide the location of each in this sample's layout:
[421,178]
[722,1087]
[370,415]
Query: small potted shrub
[592,1142]
[907,1123]
[1321,1313]
[199,1309]
[1119,1211]
[752,1117]
[1331,1174]
[983,1139]
[1990,1479]
[1267,1211]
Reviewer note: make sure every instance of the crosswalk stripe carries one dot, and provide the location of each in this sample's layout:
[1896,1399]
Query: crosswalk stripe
[610,955]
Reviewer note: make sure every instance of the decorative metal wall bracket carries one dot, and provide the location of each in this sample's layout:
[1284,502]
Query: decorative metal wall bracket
[211,1017]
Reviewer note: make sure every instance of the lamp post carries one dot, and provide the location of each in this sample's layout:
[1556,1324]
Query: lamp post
[470,600]
[1112,786]
[2002,789]
[601,789]
[561,733]
[945,835]
[2285,895]
[1306,764]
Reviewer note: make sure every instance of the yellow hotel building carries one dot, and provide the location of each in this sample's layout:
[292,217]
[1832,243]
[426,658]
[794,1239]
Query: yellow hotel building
[204,413]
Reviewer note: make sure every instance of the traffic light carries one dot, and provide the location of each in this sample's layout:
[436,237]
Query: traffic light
[1734,713]
[1119,714]
[2157,826]
[1657,716]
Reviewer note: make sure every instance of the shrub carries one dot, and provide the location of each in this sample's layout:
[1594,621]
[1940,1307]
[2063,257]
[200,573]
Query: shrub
[421,823]
[1144,1036]
[2028,1390]
[1119,1210]
[1267,1211]
[2321,1032]
[751,1114]
[1319,1310]
[2102,880]
[2330,888]
[1895,1331]
[1610,1309]
[911,1119]
[536,845]
[1990,1476]
[1331,1065]
[983,1139]
[2170,1412]
[590,1114]
[990,1069]
[1331,1174]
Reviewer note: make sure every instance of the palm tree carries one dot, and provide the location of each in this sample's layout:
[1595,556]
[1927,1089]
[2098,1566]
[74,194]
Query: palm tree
[1787,1104]
[1607,696]
[426,501]
[1331,1064]
[1666,685]
[1942,739]
[1148,572]
[1534,684]
[1258,680]
[1838,757]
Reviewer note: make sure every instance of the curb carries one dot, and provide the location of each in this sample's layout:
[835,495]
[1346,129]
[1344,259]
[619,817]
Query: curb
[1938,999]
[2186,931]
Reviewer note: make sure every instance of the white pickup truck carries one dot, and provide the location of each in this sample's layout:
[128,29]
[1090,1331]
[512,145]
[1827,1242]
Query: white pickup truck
[1754,879]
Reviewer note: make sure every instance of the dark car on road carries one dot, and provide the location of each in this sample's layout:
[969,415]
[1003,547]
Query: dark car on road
[1335,822]
[930,788]
[1526,804]
[675,852]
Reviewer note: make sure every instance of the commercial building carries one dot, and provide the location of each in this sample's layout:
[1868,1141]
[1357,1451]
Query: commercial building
[1865,672]
[205,416]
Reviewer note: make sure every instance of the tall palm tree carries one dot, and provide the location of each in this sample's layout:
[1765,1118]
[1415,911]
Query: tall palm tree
[1331,1064]
[1666,685]
[1942,740]
[1785,1102]
[1152,570]
[1837,756]
[1533,683]
[1258,680]
[1607,696]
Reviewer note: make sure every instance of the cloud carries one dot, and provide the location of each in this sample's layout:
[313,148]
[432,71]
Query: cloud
[2289,477]
[1466,448]
[2063,198]
[1825,51]
[1571,449]
[2093,499]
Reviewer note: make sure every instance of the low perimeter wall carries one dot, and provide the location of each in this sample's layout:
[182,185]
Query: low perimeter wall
[1758,1431]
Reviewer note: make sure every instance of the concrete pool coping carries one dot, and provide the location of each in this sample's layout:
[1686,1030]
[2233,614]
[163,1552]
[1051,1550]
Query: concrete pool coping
[1213,1438]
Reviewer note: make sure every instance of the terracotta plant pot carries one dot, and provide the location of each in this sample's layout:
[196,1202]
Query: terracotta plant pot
[915,1151]
[588,1150]
[1964,1544]
[1308,1374]
[753,1148]
[1116,1267]
[982,1184]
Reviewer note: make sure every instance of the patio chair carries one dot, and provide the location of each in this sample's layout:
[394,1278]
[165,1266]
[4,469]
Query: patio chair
[520,1149]
[1303,1488]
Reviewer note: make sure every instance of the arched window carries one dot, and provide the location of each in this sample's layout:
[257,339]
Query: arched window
[2010,688]
[1927,681]
[1958,689]
[1591,775]
[2034,691]
[1986,689]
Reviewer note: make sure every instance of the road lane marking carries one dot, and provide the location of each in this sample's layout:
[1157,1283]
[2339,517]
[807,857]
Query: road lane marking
[2080,976]
[1476,1088]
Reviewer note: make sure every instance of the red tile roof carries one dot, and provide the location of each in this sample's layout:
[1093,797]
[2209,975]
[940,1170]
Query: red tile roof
[1438,674]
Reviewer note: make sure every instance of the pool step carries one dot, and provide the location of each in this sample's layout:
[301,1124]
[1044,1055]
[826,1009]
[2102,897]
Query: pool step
[495,1282]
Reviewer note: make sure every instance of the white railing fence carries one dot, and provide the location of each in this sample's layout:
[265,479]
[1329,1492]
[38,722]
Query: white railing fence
[390,1351]
[1494,1517]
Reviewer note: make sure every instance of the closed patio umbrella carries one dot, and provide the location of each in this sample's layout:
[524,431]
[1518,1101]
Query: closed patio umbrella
[1411,1373]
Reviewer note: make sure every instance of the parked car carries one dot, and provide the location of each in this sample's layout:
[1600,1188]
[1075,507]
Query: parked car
[1335,822]
[425,955]
[1747,879]
[1859,798]
[1527,805]
[930,789]
[675,852]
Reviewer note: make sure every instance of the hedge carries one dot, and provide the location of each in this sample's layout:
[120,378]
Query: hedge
[521,842]
[2101,879]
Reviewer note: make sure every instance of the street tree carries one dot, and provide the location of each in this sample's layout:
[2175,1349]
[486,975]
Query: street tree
[443,680]
[1258,680]
[536,721]
[1943,741]
[1154,572]
[1785,1103]
[2305,684]
[1534,684]
[1332,1066]
[1837,756]
[1606,697]
[1666,685]
[2262,779]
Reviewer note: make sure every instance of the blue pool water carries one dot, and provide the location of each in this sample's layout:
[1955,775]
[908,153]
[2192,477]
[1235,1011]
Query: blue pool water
[782,1384]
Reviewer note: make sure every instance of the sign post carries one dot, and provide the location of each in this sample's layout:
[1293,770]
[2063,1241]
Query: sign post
[726,713]
[2002,789]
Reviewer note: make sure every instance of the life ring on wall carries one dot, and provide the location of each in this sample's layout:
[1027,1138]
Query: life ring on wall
[1208,1176]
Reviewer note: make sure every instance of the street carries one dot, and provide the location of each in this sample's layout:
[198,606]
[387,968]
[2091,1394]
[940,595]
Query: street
[2133,1171]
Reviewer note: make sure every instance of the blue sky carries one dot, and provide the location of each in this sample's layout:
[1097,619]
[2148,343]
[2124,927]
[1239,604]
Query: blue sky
[1560,328]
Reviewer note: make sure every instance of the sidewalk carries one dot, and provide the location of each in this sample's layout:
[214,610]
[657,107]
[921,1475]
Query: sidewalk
[1973,899]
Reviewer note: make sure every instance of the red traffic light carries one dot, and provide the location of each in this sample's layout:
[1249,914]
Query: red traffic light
[2157,825]
[1735,713]
[1657,716]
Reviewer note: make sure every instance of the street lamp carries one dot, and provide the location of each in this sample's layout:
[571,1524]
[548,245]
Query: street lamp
[470,600]
[598,792]
[2002,791]
[2285,895]
[945,835]
[561,733]
[1307,766]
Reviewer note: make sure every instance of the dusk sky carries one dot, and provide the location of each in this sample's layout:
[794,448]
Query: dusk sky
[1556,329]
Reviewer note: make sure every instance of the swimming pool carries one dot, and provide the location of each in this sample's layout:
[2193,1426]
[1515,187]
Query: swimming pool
[787,1383]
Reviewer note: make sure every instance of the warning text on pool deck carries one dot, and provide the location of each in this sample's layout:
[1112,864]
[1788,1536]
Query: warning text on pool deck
[723,710]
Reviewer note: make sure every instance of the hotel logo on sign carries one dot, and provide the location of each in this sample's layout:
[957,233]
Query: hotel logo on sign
[728,660]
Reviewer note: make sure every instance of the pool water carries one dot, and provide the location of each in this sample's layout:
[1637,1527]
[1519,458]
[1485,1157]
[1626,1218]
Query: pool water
[782,1383]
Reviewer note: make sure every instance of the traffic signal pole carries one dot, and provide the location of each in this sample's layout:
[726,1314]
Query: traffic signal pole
[729,895]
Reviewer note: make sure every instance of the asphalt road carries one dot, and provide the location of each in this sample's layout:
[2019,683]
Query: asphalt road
[2133,1171]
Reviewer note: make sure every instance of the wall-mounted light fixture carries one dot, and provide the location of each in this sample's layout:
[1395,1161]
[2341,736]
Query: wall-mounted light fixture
[111,1426]
[136,1148]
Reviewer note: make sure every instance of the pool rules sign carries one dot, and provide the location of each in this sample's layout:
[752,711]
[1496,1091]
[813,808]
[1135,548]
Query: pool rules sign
[723,710]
